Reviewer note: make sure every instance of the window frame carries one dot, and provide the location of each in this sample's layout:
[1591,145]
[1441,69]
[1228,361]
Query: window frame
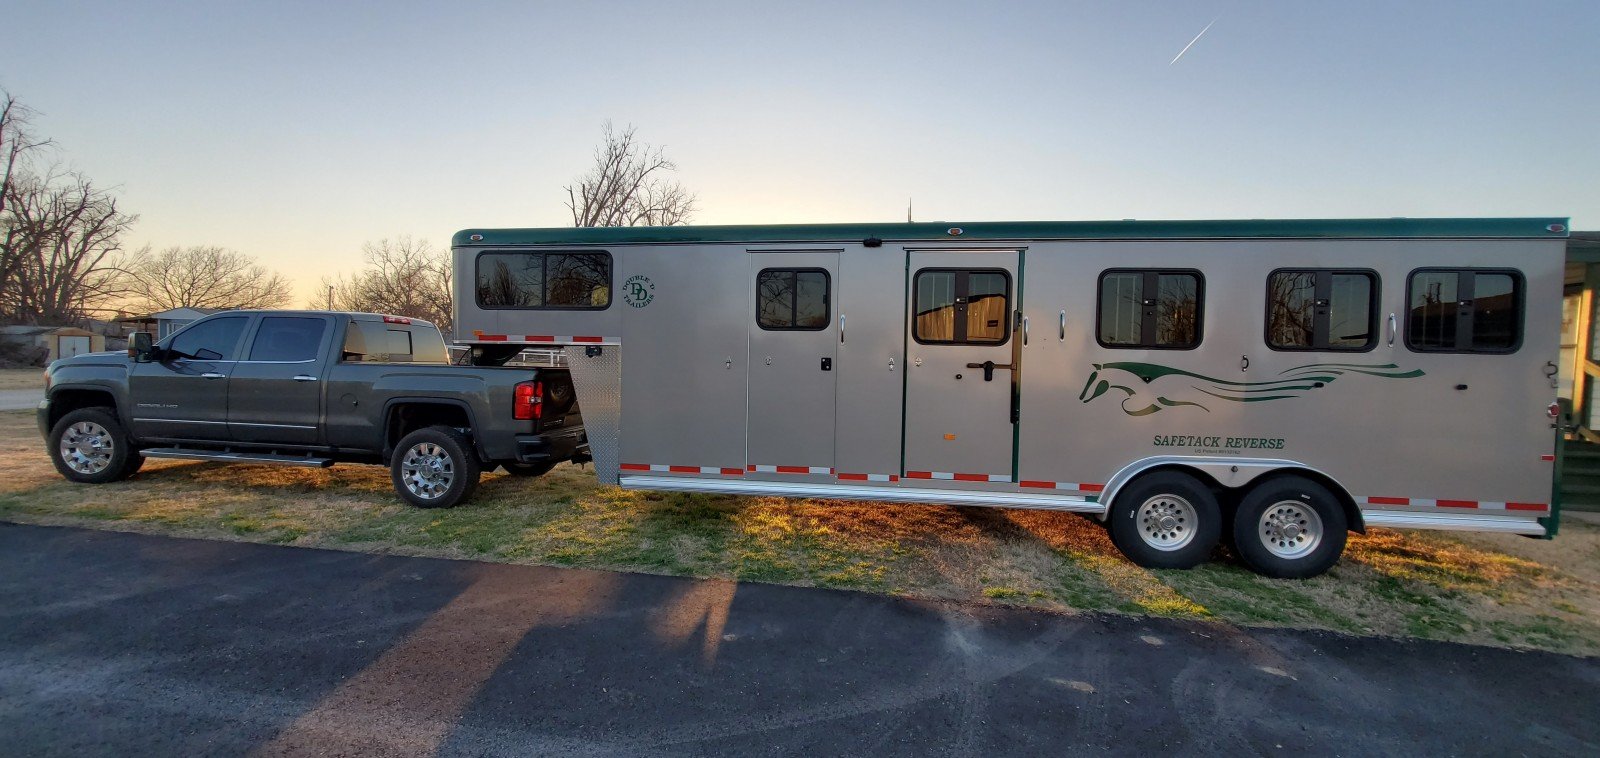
[1147,331]
[1374,303]
[544,280]
[794,299]
[1519,292]
[1005,323]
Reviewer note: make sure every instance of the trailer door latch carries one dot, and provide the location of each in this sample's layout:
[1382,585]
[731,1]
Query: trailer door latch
[827,364]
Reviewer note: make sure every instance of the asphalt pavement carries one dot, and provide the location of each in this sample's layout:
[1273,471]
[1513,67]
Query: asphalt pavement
[127,644]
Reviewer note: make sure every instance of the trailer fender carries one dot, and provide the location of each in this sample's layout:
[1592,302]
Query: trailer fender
[1230,473]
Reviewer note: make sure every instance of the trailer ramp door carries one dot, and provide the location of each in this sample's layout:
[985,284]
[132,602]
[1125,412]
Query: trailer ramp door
[794,341]
[960,370]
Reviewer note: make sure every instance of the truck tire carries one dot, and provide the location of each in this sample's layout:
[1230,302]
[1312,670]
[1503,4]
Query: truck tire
[1289,528]
[435,467]
[89,446]
[1166,520]
[527,469]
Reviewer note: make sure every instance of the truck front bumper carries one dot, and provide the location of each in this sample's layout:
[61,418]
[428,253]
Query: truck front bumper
[43,414]
[557,446]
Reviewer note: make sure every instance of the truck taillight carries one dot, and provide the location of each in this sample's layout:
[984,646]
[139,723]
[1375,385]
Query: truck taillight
[528,403]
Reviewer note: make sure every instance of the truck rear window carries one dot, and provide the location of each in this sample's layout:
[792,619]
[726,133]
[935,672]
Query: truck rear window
[378,342]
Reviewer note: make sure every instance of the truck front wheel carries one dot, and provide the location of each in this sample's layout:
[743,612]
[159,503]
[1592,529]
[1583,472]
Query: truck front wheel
[435,467]
[89,446]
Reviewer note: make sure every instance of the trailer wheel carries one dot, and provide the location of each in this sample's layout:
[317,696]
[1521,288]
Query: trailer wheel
[1166,520]
[1289,528]
[435,467]
[89,446]
[527,469]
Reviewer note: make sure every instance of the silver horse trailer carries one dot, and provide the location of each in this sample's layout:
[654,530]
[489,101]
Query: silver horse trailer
[1275,383]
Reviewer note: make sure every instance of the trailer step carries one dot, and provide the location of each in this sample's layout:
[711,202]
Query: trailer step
[233,456]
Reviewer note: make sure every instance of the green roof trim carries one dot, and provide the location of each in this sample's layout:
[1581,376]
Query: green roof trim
[1371,228]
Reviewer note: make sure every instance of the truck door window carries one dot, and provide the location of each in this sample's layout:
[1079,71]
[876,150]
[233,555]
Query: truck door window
[1464,311]
[544,280]
[962,306]
[286,339]
[214,339]
[1148,308]
[1322,310]
[792,299]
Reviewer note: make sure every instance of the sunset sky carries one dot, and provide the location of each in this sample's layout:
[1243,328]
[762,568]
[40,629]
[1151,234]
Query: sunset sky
[296,131]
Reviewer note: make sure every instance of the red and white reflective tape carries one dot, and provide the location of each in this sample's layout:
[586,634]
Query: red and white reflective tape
[1482,505]
[869,477]
[759,469]
[543,339]
[1073,486]
[723,471]
[946,475]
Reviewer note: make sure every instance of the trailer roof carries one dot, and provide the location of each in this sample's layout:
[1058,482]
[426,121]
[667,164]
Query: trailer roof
[1367,228]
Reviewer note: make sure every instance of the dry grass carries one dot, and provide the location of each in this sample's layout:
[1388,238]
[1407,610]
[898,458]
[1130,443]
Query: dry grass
[21,378]
[1490,589]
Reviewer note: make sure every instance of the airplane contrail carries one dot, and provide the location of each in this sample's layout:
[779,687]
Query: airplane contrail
[1191,42]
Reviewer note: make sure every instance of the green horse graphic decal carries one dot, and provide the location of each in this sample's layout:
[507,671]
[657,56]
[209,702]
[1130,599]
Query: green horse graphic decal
[1148,387]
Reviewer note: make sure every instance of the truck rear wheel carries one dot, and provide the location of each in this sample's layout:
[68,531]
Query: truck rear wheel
[1166,520]
[89,446]
[435,467]
[1289,528]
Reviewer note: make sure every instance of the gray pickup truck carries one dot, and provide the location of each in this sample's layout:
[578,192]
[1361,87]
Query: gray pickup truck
[310,388]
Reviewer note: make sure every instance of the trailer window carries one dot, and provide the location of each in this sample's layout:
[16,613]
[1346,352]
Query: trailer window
[1322,310]
[792,299]
[1464,311]
[1147,308]
[962,307]
[544,280]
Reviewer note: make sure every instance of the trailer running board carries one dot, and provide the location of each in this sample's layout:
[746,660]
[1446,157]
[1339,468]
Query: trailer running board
[857,492]
[231,456]
[1453,522]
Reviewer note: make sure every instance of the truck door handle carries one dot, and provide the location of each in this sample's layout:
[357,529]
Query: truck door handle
[304,378]
[988,368]
[213,375]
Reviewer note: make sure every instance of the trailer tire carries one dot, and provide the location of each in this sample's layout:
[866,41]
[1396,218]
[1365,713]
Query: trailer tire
[435,467]
[1289,528]
[89,446]
[1166,520]
[527,469]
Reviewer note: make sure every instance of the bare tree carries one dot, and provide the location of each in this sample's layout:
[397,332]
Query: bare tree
[62,239]
[627,186]
[202,277]
[16,144]
[403,277]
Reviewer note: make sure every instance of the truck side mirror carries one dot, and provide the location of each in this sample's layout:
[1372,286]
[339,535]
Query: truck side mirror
[140,346]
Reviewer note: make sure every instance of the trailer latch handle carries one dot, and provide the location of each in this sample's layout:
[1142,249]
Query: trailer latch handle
[988,368]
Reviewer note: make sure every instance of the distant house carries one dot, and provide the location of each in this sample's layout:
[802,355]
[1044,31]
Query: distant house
[167,322]
[58,341]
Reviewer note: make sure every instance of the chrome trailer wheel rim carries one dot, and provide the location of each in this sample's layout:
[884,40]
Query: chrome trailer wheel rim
[86,447]
[1290,529]
[1167,522]
[427,470]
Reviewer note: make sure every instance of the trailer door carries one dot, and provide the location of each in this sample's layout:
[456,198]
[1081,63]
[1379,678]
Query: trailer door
[962,372]
[794,340]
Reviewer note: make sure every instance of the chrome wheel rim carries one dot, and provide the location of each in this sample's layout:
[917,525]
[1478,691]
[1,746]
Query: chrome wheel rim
[1167,522]
[427,470]
[1290,529]
[86,447]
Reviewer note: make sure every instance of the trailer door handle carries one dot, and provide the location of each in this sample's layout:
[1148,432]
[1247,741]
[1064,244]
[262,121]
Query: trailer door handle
[1063,326]
[841,328]
[988,368]
[1024,330]
[1391,330]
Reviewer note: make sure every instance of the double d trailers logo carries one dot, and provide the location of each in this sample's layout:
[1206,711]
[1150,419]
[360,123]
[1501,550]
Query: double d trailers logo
[638,291]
